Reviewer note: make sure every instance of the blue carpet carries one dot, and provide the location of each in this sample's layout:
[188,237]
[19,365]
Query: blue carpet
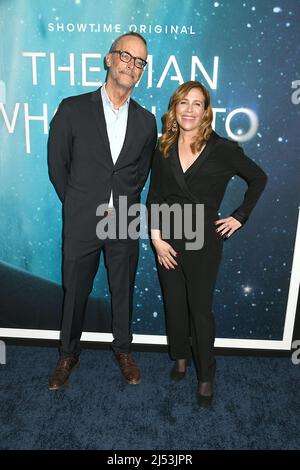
[256,405]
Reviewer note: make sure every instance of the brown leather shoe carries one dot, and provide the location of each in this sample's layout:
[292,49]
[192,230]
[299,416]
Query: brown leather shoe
[128,367]
[62,372]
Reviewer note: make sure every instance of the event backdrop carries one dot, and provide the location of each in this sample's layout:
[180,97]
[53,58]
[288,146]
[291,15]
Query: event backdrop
[245,52]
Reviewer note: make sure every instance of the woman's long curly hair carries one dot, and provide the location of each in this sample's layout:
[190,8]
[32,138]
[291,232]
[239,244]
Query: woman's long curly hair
[170,127]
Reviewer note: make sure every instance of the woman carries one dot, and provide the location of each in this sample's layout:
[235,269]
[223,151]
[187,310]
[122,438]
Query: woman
[193,165]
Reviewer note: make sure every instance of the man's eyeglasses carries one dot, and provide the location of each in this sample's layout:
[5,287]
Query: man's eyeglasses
[127,57]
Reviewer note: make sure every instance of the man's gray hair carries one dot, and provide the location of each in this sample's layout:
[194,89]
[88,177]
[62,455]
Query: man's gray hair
[114,45]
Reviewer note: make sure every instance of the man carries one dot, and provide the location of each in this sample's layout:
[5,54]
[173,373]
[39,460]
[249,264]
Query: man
[99,148]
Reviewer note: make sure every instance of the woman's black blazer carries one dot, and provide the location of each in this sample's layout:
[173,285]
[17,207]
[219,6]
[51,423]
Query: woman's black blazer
[205,181]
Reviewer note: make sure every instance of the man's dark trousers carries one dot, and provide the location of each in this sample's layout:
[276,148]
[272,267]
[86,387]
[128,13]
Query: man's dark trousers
[80,265]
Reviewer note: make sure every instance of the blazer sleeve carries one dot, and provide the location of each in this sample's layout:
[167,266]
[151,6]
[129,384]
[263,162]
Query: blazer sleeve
[146,156]
[155,197]
[254,176]
[60,149]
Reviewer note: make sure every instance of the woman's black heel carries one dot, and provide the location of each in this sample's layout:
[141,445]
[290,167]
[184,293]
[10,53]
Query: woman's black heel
[205,401]
[177,375]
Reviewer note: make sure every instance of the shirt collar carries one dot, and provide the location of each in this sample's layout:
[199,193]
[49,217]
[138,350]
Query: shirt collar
[108,102]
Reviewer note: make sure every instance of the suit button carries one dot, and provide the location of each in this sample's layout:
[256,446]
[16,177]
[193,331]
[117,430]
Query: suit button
[115,172]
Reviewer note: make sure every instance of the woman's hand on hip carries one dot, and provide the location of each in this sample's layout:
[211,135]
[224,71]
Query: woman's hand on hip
[165,254]
[227,226]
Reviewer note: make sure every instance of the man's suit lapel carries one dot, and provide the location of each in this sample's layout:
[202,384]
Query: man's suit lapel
[129,133]
[97,107]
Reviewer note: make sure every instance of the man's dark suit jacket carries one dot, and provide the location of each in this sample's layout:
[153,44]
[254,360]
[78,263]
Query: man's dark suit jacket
[80,163]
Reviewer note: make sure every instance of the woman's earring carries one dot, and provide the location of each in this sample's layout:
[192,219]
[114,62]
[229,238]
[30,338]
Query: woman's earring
[174,127]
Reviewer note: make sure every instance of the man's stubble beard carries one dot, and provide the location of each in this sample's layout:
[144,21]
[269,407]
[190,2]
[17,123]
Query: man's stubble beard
[117,79]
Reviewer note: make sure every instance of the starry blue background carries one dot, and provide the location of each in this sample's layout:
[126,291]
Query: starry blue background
[258,47]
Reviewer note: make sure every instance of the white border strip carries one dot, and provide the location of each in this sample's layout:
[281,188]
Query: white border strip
[293,291]
[143,339]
